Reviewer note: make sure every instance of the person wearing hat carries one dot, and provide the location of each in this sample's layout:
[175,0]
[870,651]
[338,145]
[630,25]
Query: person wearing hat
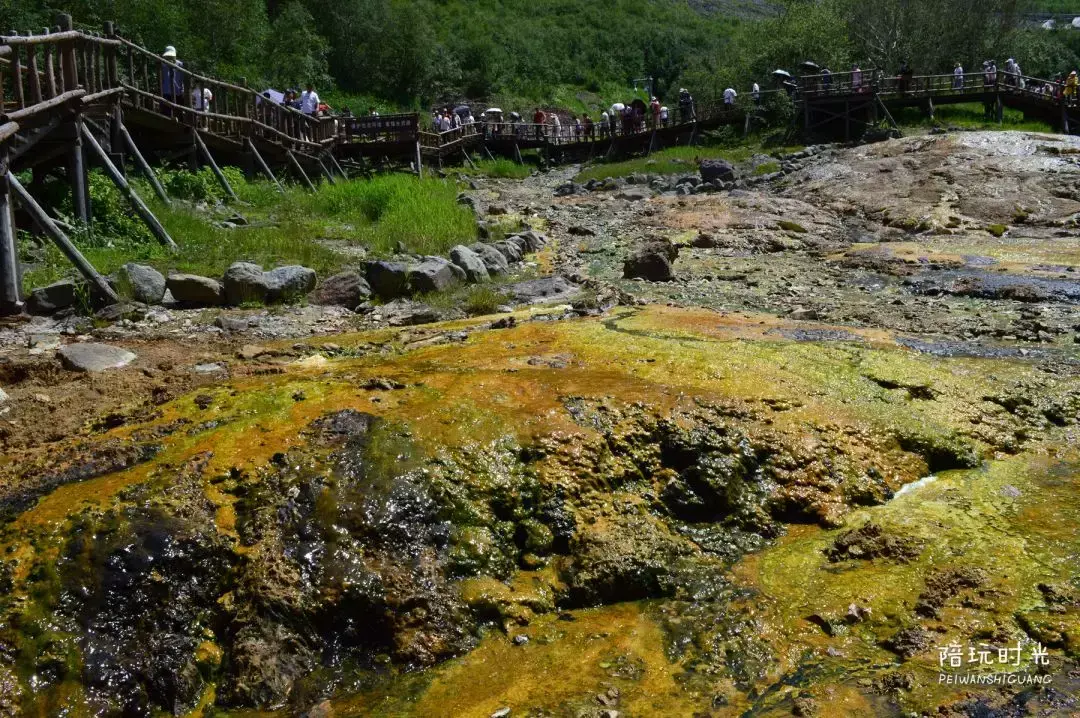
[654,108]
[172,81]
[686,105]
[1070,87]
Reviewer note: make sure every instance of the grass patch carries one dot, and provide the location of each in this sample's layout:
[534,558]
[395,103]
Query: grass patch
[766,168]
[473,299]
[675,160]
[970,116]
[500,168]
[422,215]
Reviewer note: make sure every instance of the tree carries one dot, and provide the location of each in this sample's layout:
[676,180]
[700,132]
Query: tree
[296,53]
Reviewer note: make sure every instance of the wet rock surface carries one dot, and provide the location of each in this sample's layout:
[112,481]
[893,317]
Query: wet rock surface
[833,442]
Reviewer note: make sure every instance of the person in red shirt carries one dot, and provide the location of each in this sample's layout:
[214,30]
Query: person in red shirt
[655,107]
[539,119]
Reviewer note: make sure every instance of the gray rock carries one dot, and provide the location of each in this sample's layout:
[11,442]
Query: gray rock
[193,290]
[406,313]
[245,282]
[4,397]
[508,250]
[804,314]
[493,259]
[633,195]
[52,298]
[434,274]
[520,242]
[389,280]
[289,283]
[147,284]
[503,712]
[91,357]
[535,240]
[712,170]
[232,324]
[548,289]
[470,263]
[652,262]
[347,289]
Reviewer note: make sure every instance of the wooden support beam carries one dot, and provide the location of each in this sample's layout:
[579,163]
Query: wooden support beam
[213,165]
[419,164]
[76,168]
[118,179]
[326,172]
[60,239]
[299,170]
[144,166]
[340,169]
[261,163]
[10,281]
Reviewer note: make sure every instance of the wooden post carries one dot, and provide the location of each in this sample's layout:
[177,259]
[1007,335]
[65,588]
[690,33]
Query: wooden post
[118,179]
[69,71]
[76,168]
[299,170]
[262,164]
[10,294]
[340,169]
[419,164]
[70,250]
[213,165]
[326,173]
[144,166]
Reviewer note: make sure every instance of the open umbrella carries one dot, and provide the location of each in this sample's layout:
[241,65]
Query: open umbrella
[515,116]
[463,110]
[618,107]
[493,111]
[809,67]
[782,74]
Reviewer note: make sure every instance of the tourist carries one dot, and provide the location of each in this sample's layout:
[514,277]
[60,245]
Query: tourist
[372,112]
[172,81]
[664,116]
[605,126]
[755,93]
[856,78]
[1070,87]
[958,77]
[905,76]
[539,119]
[201,97]
[590,128]
[826,79]
[686,105]
[1018,75]
[729,97]
[309,101]
[556,127]
[654,107]
[628,120]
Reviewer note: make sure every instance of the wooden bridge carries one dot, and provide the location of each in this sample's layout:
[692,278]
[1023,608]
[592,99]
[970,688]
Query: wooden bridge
[69,99]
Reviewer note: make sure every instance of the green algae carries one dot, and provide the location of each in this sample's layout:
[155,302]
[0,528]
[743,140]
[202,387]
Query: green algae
[872,416]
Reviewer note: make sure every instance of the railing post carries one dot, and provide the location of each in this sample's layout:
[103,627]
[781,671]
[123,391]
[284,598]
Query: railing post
[10,295]
[69,69]
[111,70]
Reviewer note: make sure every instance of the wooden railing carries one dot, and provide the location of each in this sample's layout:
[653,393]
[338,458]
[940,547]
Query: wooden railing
[40,72]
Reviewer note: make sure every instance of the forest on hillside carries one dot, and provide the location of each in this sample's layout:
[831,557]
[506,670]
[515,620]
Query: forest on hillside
[412,53]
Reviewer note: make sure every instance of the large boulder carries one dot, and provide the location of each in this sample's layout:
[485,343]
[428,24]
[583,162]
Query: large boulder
[494,260]
[91,357]
[508,250]
[245,282]
[193,290]
[433,274]
[712,170]
[347,289]
[289,282]
[407,313]
[52,298]
[470,263]
[147,284]
[652,262]
[389,280]
[544,289]
[534,239]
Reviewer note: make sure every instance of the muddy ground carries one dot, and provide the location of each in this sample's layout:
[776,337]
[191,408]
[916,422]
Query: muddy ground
[842,440]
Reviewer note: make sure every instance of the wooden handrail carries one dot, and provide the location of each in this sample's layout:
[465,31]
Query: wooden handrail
[41,39]
[8,129]
[44,106]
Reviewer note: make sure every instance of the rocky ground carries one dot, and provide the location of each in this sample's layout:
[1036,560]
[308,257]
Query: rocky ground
[759,446]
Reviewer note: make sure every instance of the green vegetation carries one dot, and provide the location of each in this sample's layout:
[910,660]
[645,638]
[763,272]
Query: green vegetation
[500,167]
[298,227]
[674,160]
[970,116]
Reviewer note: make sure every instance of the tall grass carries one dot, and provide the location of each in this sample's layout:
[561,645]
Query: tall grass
[291,228]
[971,115]
[674,160]
[500,168]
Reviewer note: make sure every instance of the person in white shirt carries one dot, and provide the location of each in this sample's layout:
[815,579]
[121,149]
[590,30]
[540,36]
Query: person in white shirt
[958,77]
[755,92]
[664,114]
[729,96]
[856,78]
[444,123]
[557,124]
[201,97]
[309,101]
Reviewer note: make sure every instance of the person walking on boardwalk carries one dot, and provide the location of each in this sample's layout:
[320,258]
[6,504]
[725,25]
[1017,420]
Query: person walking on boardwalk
[539,118]
[664,116]
[605,124]
[856,78]
[1070,88]
[958,77]
[556,127]
[686,105]
[172,81]
[309,101]
[729,98]
[654,108]
[590,128]
[755,93]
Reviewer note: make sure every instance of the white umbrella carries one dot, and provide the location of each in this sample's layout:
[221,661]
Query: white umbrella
[493,111]
[617,107]
[1076,22]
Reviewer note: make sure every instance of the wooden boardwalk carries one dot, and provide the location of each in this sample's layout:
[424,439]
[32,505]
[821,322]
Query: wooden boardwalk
[70,99]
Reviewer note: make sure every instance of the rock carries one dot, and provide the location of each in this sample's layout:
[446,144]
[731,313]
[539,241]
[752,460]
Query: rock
[633,195]
[289,283]
[804,314]
[579,231]
[534,240]
[232,324]
[520,639]
[652,262]
[704,240]
[4,397]
[347,289]
[496,209]
[245,282]
[209,369]
[545,288]
[493,259]
[712,170]
[434,274]
[520,243]
[405,313]
[503,712]
[568,188]
[251,351]
[52,298]
[91,357]
[508,250]
[470,262]
[147,284]
[193,290]
[389,280]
